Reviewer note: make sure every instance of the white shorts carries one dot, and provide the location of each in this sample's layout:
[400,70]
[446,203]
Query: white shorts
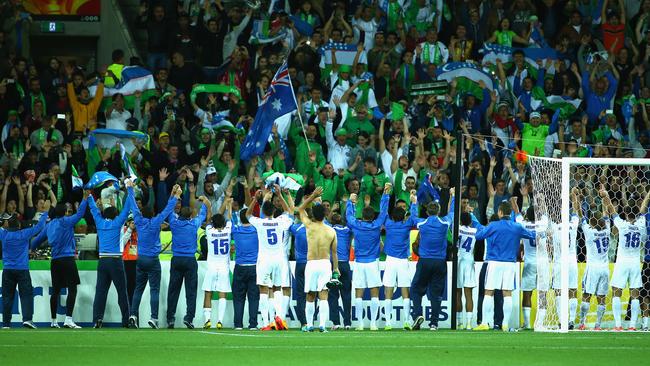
[529,277]
[285,274]
[269,271]
[500,276]
[573,276]
[466,274]
[366,275]
[396,273]
[625,273]
[317,274]
[217,278]
[596,280]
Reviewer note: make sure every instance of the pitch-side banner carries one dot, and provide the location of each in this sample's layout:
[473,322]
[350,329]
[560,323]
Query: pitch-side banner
[42,283]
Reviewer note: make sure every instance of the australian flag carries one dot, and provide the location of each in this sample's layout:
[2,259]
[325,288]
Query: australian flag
[278,101]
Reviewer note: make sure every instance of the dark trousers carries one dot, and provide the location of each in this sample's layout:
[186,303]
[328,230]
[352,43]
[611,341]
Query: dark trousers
[20,278]
[147,270]
[345,293]
[430,276]
[183,269]
[110,270]
[130,271]
[498,300]
[244,284]
[299,293]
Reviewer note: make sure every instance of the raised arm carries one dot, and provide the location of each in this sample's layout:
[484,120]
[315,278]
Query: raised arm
[350,211]
[81,211]
[306,202]
[646,201]
[171,203]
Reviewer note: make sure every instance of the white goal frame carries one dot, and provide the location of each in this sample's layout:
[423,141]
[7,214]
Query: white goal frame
[567,163]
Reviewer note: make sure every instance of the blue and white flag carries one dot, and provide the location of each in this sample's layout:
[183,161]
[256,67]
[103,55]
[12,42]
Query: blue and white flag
[100,178]
[427,192]
[302,26]
[345,54]
[491,52]
[278,101]
[133,78]
[260,33]
[127,163]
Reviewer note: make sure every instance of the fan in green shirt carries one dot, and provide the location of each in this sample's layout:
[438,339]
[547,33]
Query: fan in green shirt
[533,135]
[358,123]
[325,178]
[305,147]
[409,183]
[372,183]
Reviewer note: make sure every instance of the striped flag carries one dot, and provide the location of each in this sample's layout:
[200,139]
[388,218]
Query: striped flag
[134,78]
[566,106]
[467,76]
[99,178]
[427,192]
[345,54]
[127,164]
[77,182]
[491,52]
[261,33]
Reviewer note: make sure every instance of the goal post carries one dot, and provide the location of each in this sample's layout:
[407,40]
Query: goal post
[553,181]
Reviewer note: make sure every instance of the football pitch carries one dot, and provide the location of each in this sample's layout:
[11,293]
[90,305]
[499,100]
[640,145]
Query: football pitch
[119,347]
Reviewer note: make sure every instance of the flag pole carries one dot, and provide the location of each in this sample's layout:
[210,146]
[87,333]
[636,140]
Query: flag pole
[304,133]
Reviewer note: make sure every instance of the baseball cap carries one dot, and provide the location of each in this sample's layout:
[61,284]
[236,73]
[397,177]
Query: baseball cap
[503,104]
[535,115]
[205,130]
[341,132]
[163,134]
[211,170]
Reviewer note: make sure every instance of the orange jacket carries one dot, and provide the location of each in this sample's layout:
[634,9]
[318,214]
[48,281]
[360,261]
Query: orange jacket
[85,115]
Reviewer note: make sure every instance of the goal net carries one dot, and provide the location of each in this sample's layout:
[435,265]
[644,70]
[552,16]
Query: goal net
[590,220]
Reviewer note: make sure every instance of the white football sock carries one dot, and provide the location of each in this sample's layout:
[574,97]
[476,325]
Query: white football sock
[616,309]
[488,310]
[278,299]
[374,310]
[388,311]
[264,309]
[634,313]
[526,311]
[599,314]
[459,318]
[507,311]
[407,309]
[323,313]
[573,306]
[54,321]
[207,314]
[310,309]
[68,320]
[584,309]
[285,305]
[222,309]
[541,314]
[358,309]
[645,321]
[469,317]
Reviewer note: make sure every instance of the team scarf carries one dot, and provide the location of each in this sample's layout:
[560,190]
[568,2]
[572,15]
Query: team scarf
[393,13]
[406,76]
[426,53]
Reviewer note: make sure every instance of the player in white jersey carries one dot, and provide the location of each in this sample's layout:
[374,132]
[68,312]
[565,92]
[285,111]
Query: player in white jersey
[271,256]
[217,276]
[466,280]
[574,222]
[596,278]
[529,276]
[627,270]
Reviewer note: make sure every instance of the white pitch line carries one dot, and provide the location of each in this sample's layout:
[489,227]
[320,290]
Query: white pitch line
[333,347]
[228,334]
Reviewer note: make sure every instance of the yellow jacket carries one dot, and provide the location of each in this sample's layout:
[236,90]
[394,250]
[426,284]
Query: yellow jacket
[85,115]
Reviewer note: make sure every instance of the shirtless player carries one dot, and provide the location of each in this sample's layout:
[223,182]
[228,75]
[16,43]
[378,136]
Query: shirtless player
[321,241]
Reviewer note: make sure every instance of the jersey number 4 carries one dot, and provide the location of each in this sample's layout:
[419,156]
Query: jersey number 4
[271,236]
[467,245]
[633,240]
[221,246]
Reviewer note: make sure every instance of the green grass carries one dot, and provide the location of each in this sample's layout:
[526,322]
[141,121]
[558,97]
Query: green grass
[120,347]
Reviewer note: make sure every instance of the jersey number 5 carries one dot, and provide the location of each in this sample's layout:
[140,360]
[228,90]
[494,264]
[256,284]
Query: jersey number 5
[271,236]
[221,246]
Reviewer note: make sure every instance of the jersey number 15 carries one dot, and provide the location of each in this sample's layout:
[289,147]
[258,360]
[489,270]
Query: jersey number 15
[221,246]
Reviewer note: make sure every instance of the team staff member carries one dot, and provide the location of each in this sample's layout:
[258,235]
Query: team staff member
[110,267]
[184,267]
[15,260]
[244,282]
[431,269]
[148,264]
[60,236]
